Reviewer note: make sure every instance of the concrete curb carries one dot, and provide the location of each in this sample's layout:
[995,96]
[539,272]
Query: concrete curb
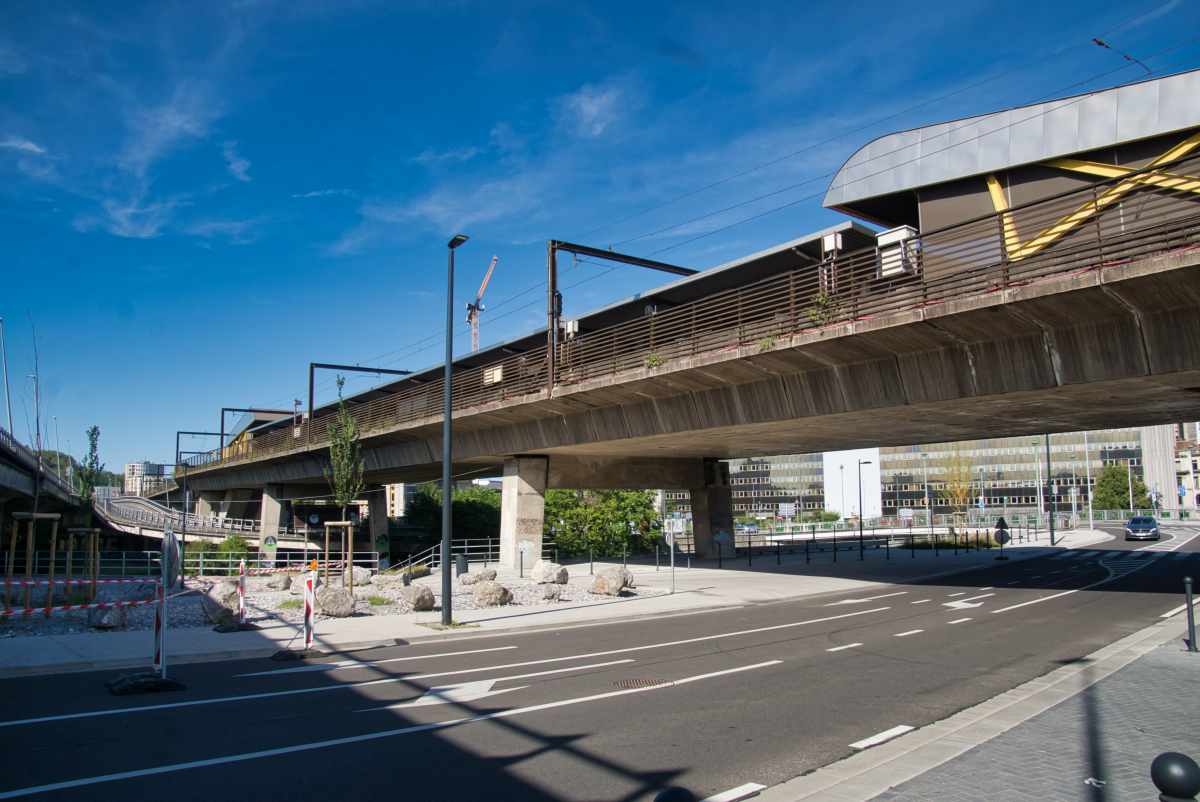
[141,660]
[871,772]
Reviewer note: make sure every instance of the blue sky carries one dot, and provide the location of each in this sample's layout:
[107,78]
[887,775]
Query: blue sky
[198,199]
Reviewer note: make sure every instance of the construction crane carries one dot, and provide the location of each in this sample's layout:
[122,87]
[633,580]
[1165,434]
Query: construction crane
[473,309]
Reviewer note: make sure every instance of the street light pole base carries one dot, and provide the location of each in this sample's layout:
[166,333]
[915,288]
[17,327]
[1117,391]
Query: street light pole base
[145,682]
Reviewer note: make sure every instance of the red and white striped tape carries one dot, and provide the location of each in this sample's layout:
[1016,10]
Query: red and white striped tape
[64,609]
[80,582]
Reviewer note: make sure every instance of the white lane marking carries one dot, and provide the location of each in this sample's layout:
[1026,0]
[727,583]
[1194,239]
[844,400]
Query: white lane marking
[886,735]
[1015,583]
[922,601]
[1176,611]
[910,632]
[451,695]
[362,664]
[1039,576]
[1167,547]
[952,595]
[958,620]
[1035,601]
[700,639]
[287,750]
[266,695]
[962,604]
[847,646]
[1183,555]
[734,794]
[871,598]
[989,587]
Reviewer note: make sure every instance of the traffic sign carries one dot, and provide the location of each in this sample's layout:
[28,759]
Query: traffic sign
[1002,536]
[787,510]
[1001,524]
[906,512]
[670,538]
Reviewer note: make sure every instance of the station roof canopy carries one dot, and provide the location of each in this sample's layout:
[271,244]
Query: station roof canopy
[875,179]
[739,272]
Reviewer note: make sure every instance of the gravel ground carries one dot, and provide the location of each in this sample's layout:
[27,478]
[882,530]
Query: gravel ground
[263,604]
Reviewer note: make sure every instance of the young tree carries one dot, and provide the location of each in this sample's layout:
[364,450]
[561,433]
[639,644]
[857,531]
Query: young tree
[1112,490]
[346,465]
[957,482]
[91,471]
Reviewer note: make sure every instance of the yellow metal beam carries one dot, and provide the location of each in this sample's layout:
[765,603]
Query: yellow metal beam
[1111,196]
[1012,241]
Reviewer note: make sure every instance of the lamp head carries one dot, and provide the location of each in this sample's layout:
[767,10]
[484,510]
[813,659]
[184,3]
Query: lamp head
[459,239]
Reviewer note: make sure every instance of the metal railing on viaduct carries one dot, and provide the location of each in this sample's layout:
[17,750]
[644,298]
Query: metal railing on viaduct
[1134,216]
[29,460]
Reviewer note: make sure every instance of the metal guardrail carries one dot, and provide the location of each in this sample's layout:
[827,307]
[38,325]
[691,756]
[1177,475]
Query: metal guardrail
[31,458]
[118,512]
[1071,233]
[484,551]
[196,563]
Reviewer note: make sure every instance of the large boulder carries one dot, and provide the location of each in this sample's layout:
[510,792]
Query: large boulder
[297,586]
[114,617]
[548,573]
[280,581]
[360,576]
[611,581]
[335,602]
[482,575]
[420,599]
[551,592]
[220,603]
[390,581]
[492,594]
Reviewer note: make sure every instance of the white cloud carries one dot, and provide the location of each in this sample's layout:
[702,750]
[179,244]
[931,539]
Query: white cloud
[11,61]
[237,164]
[155,132]
[320,193]
[595,107]
[455,155]
[17,143]
[133,218]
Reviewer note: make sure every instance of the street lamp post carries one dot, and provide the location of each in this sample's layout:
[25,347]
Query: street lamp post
[1050,480]
[928,506]
[57,452]
[1087,462]
[861,554]
[4,360]
[447,491]
[1129,466]
[1038,466]
[842,480]
[1074,495]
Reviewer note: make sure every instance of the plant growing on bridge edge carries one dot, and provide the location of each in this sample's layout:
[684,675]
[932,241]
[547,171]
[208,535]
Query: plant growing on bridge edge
[768,342]
[823,310]
[654,360]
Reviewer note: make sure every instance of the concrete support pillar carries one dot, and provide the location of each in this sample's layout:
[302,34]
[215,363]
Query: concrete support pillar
[233,505]
[206,502]
[712,510]
[523,505]
[377,517]
[273,521]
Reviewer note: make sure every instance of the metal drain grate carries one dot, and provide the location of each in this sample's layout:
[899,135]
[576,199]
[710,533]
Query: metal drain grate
[642,683]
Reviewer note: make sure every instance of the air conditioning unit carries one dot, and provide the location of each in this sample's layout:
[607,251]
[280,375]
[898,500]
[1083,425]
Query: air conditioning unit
[897,251]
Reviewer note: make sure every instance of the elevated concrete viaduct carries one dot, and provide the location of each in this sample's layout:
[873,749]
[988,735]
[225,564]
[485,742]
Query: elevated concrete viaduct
[1110,347]
[1041,275]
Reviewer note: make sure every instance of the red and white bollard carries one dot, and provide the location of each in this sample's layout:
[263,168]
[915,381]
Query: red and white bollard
[310,602]
[242,592]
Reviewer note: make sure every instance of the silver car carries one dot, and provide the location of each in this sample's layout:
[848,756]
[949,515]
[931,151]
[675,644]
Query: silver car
[1141,527]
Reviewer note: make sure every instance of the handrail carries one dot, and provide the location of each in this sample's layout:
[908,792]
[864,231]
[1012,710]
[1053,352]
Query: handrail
[1012,248]
[31,458]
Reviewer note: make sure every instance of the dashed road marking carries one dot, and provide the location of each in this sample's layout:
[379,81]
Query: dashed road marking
[922,601]
[847,646]
[911,632]
[886,735]
[734,794]
[958,621]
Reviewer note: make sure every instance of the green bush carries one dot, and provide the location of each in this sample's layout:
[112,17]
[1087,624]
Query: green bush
[291,604]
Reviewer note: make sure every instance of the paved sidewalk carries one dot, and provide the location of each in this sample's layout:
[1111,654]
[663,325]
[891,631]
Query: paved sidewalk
[1103,718]
[703,587]
[1110,731]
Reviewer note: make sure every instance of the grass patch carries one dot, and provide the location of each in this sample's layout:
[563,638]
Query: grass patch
[291,604]
[453,625]
[377,601]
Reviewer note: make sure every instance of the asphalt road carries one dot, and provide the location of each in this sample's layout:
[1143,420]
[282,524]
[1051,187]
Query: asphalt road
[758,694]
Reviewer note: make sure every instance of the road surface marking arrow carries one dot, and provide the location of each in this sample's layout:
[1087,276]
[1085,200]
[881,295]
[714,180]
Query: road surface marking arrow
[462,692]
[962,604]
[872,598]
